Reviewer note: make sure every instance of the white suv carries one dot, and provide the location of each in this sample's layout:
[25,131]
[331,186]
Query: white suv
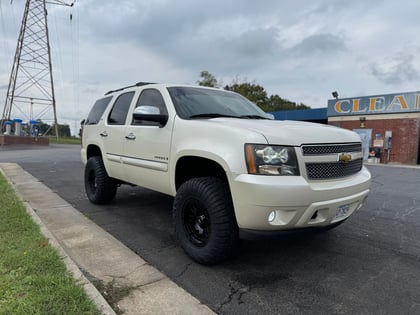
[234,172]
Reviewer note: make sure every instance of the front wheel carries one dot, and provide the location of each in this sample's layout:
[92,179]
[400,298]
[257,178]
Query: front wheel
[204,219]
[100,188]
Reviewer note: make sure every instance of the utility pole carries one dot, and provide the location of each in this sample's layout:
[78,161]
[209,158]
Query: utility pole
[31,85]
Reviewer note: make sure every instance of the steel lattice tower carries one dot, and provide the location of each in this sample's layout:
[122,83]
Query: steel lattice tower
[30,93]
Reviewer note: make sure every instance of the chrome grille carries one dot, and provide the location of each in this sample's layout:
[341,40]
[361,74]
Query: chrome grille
[329,170]
[331,148]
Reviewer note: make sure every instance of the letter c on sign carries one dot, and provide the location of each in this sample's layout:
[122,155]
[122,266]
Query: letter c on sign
[339,106]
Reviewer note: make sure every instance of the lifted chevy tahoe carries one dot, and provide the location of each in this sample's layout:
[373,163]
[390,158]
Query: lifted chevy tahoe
[234,172]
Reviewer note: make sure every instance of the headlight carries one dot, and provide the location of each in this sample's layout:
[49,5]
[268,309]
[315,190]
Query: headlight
[271,160]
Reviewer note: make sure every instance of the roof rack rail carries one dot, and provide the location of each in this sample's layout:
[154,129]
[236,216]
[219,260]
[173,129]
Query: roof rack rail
[126,87]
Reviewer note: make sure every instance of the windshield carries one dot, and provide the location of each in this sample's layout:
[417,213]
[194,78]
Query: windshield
[191,102]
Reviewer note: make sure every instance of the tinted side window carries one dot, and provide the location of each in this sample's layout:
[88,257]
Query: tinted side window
[97,110]
[152,97]
[119,111]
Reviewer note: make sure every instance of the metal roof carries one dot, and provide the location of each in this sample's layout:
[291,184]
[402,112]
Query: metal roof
[303,114]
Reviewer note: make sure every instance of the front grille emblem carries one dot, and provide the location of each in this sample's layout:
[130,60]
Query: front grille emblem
[344,157]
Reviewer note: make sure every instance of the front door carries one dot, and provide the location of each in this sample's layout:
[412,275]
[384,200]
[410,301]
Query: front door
[147,147]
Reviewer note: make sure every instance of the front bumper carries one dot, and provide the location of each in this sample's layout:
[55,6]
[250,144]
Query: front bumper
[278,203]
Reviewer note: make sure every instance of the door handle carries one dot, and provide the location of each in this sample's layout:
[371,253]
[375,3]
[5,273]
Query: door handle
[103,134]
[130,136]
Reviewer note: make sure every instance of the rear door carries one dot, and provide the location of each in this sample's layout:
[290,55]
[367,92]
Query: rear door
[113,135]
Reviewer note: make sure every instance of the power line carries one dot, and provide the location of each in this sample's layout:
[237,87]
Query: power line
[75,59]
[3,27]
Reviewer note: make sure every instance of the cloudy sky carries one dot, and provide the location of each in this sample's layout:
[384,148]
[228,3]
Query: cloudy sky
[300,50]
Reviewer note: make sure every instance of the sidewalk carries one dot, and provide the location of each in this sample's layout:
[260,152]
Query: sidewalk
[93,256]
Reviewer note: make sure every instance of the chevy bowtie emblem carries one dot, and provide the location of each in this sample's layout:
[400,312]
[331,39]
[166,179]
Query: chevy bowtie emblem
[344,157]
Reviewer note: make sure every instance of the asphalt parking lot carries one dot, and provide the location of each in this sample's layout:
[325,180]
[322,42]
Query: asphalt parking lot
[368,265]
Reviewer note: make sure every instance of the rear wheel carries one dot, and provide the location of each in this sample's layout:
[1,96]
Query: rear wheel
[204,219]
[100,188]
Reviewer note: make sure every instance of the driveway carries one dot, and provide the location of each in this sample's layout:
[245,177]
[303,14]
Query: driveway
[368,265]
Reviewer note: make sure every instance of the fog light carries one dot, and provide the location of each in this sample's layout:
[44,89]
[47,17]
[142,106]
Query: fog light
[271,216]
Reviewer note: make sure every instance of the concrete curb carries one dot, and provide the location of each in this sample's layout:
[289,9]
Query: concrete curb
[393,165]
[92,254]
[89,288]
[71,266]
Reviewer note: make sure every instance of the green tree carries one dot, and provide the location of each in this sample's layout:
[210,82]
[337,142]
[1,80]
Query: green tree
[63,130]
[46,129]
[276,103]
[207,79]
[254,92]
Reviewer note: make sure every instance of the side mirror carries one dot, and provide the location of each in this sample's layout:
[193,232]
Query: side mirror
[151,114]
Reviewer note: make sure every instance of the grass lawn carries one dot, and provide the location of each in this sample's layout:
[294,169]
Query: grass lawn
[33,277]
[65,140]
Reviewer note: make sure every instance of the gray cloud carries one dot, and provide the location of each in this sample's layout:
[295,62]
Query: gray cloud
[221,36]
[395,69]
[254,43]
[319,43]
[298,49]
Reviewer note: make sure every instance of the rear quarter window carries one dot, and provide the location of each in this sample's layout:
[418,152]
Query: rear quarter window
[97,110]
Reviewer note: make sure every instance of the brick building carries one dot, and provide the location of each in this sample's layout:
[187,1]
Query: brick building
[389,125]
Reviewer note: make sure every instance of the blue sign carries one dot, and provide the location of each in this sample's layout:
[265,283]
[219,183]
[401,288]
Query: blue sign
[377,104]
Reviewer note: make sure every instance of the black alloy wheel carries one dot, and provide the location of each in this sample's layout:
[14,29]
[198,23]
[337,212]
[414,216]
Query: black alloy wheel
[204,219]
[196,222]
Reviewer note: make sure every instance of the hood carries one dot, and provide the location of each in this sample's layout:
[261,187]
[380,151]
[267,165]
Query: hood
[294,133]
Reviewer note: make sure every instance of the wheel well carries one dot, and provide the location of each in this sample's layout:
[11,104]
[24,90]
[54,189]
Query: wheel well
[191,166]
[93,150]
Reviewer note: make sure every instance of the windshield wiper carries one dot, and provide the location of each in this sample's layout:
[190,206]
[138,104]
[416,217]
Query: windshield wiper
[253,117]
[217,115]
[212,115]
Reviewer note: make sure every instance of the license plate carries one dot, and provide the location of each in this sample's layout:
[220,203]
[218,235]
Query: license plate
[342,211]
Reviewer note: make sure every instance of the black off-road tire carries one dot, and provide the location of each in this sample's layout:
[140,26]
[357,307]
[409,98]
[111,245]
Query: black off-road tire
[100,188]
[204,219]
